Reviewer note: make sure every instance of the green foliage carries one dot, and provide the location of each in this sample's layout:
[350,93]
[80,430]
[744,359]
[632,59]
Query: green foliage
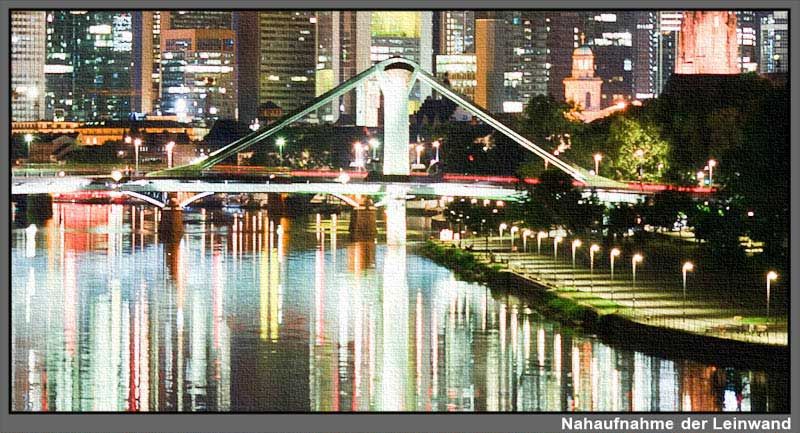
[544,118]
[641,154]
[555,202]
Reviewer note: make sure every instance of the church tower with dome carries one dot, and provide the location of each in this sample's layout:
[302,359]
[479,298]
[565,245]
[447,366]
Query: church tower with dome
[583,87]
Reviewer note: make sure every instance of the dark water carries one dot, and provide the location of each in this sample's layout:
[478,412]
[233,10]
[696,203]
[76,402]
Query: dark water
[110,316]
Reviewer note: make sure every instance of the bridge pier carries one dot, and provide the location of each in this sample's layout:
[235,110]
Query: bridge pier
[395,215]
[394,84]
[170,227]
[363,224]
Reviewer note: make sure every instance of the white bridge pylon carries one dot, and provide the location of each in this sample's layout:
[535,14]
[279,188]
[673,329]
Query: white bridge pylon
[396,76]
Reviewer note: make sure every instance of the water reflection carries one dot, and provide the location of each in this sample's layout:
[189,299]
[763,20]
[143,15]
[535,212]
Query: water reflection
[261,313]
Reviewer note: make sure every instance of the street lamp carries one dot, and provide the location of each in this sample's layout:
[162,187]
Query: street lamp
[28,141]
[374,143]
[525,234]
[501,229]
[592,249]
[136,143]
[419,148]
[711,164]
[556,241]
[539,237]
[614,253]
[280,142]
[637,258]
[575,245]
[169,147]
[436,146]
[687,267]
[771,276]
[513,230]
[116,176]
[597,158]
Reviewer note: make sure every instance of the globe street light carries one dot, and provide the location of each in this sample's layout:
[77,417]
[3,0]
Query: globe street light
[280,142]
[169,147]
[539,237]
[771,276]
[614,253]
[592,249]
[687,267]
[700,176]
[374,143]
[136,143]
[556,240]
[116,176]
[513,230]
[435,145]
[637,258]
[419,148]
[597,158]
[575,245]
[711,164]
[501,229]
[28,141]
[525,234]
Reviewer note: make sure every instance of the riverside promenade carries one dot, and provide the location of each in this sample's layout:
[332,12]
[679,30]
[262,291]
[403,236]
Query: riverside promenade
[653,300]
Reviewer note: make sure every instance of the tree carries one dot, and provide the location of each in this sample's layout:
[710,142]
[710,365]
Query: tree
[665,208]
[642,154]
[554,201]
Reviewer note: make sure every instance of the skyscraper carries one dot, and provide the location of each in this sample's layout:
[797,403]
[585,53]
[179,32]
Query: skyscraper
[490,62]
[775,43]
[198,73]
[146,73]
[456,32]
[278,59]
[28,36]
[708,43]
[88,65]
[669,27]
[747,27]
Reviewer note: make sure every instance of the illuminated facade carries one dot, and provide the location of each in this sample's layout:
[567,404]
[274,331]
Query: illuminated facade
[490,63]
[456,32]
[708,43]
[198,73]
[583,88]
[88,65]
[28,36]
[458,72]
[775,43]
[747,39]
[147,61]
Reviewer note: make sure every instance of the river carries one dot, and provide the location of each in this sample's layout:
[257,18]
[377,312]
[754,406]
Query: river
[112,313]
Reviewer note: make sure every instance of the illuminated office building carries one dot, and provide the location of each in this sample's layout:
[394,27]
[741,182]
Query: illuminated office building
[277,59]
[28,36]
[747,27]
[146,73]
[458,72]
[775,42]
[198,73]
[456,32]
[708,43]
[88,65]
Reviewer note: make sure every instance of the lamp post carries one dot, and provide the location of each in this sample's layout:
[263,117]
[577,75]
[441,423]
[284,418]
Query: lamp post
[592,249]
[136,143]
[597,158]
[539,237]
[525,234]
[637,258]
[575,245]
[513,230]
[358,155]
[280,142]
[687,267]
[614,253]
[28,141]
[771,276]
[501,229]
[556,241]
[419,149]
[436,145]
[170,146]
[700,176]
[711,164]
[374,143]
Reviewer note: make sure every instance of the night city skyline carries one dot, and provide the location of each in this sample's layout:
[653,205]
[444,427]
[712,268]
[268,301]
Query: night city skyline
[400,211]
